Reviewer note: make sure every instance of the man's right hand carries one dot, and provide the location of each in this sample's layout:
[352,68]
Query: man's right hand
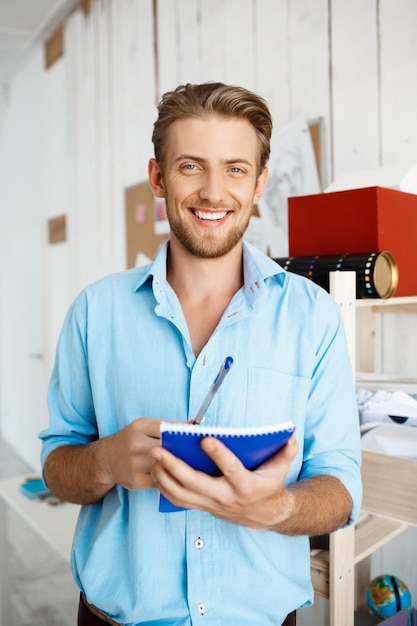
[124,456]
[83,474]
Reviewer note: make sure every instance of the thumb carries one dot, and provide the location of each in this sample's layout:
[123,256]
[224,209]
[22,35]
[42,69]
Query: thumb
[292,448]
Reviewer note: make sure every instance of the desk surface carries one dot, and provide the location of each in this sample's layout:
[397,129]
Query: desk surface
[54,523]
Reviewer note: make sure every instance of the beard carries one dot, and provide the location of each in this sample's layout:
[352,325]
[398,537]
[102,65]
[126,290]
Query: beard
[206,244]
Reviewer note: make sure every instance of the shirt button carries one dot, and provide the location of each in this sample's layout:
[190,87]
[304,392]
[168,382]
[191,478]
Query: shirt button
[201,608]
[199,543]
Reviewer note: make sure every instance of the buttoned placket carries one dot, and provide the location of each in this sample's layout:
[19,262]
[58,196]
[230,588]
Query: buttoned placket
[199,544]
[200,573]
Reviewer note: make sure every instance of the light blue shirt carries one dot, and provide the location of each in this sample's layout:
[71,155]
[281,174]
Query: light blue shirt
[125,352]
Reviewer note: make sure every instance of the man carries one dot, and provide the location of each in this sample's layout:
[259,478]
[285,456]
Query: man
[145,345]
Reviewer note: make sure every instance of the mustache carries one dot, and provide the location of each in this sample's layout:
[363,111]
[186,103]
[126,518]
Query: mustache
[193,203]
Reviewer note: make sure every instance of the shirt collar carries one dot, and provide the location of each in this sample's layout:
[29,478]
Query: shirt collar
[257,268]
[155,271]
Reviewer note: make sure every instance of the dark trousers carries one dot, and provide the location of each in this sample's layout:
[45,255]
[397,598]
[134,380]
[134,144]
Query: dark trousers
[291,619]
[87,618]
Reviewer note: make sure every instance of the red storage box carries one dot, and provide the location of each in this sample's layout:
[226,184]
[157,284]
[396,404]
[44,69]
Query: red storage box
[372,219]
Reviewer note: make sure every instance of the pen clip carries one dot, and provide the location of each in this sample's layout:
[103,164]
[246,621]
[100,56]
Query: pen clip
[225,367]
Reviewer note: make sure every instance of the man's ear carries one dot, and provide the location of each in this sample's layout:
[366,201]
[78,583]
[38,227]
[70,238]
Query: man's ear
[260,185]
[155,179]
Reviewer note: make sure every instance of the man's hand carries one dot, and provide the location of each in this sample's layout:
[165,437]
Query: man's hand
[83,474]
[125,455]
[257,499]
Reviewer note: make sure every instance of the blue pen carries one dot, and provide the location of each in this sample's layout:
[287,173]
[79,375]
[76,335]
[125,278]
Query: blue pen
[225,367]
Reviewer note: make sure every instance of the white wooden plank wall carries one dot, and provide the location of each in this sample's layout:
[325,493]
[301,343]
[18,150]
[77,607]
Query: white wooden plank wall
[398,82]
[397,339]
[309,59]
[188,33]
[168,43]
[85,218]
[112,88]
[354,91]
[227,41]
[272,57]
[137,75]
[309,87]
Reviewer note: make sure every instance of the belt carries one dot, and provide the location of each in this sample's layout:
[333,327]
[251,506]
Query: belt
[84,620]
[95,611]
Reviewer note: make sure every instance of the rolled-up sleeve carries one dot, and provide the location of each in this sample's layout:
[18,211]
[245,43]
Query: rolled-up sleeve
[332,431]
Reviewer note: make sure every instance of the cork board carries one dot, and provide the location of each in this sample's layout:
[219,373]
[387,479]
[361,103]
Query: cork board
[57,229]
[146,224]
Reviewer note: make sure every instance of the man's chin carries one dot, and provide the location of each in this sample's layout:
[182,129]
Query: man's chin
[212,249]
[208,246]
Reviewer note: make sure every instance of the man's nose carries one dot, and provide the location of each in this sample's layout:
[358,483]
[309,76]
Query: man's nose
[212,188]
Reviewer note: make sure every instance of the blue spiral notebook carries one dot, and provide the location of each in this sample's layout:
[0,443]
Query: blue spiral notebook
[253,446]
[403,618]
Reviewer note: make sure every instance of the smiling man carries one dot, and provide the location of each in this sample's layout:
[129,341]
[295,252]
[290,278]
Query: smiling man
[210,174]
[145,345]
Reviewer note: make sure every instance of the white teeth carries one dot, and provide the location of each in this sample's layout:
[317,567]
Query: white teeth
[203,215]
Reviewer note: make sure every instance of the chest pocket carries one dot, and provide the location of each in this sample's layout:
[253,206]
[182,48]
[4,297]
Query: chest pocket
[275,397]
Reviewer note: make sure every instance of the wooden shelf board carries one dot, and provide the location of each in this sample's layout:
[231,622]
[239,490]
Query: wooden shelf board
[408,302]
[383,474]
[371,533]
[319,570]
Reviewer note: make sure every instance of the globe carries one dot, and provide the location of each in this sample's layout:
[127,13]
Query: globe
[387,595]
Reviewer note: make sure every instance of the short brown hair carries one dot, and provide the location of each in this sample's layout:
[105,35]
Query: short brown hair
[213,99]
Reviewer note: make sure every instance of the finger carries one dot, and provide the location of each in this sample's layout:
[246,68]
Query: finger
[176,480]
[149,426]
[227,462]
[164,461]
[291,449]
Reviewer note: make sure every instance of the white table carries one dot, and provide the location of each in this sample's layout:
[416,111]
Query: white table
[55,524]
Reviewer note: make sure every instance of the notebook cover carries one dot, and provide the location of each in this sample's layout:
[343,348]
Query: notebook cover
[252,445]
[403,618]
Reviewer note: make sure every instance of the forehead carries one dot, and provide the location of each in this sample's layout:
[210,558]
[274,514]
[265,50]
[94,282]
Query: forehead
[213,136]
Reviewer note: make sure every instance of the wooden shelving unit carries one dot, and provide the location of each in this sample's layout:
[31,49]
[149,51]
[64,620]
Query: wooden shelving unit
[368,310]
[371,533]
[389,483]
